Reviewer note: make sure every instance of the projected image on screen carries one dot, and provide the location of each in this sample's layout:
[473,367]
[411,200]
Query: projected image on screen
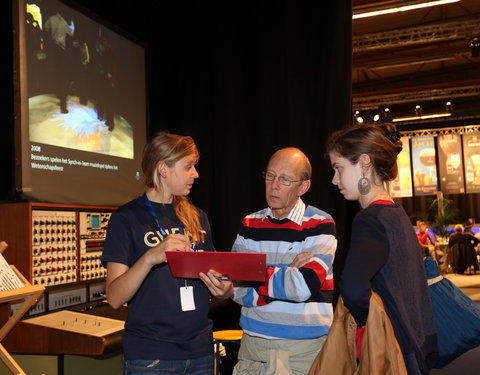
[72,100]
[82,109]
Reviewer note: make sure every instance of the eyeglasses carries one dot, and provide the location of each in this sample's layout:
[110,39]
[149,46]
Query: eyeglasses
[269,176]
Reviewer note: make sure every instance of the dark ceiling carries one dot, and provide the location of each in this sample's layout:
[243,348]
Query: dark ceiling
[418,57]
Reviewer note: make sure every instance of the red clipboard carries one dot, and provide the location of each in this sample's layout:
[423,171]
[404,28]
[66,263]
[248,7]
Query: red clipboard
[233,266]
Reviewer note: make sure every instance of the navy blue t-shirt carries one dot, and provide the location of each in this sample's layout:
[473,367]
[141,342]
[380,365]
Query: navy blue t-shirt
[385,256]
[156,327]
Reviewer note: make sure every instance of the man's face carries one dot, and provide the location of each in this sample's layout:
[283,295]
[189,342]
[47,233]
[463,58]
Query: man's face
[280,197]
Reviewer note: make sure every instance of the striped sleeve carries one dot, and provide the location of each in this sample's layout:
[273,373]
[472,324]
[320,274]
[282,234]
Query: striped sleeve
[282,241]
[314,281]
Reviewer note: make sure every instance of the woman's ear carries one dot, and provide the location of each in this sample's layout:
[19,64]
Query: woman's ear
[365,162]
[162,169]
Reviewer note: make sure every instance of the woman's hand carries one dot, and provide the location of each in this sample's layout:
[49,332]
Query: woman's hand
[218,288]
[123,282]
[173,242]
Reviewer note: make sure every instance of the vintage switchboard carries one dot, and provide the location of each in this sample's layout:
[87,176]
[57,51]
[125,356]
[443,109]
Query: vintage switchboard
[58,247]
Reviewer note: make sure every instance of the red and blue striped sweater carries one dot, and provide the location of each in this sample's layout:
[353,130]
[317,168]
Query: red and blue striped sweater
[293,303]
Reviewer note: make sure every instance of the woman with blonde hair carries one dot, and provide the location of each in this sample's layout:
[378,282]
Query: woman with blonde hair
[167,325]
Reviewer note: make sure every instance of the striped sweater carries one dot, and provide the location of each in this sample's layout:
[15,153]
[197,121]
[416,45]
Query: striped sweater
[293,303]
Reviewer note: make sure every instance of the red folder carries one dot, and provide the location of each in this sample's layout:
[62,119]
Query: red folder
[233,266]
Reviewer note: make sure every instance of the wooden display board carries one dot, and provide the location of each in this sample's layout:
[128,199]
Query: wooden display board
[14,287]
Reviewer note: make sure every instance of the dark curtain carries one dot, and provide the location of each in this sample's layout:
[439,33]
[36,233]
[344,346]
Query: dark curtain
[247,78]
[244,79]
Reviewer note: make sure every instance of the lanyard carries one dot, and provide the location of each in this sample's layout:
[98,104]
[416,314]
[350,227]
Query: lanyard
[154,216]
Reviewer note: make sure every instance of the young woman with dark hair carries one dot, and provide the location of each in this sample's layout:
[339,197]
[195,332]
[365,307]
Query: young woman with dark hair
[384,257]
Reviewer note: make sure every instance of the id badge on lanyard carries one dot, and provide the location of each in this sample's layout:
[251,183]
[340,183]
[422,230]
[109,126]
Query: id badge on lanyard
[186,292]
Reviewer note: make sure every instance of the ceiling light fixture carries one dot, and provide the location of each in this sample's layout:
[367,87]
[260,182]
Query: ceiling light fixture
[475,47]
[358,118]
[418,110]
[387,114]
[402,8]
[449,107]
[425,117]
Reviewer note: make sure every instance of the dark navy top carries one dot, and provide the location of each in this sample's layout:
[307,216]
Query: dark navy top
[156,327]
[385,256]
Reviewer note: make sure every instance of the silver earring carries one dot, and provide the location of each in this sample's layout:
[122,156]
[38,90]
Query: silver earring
[364,185]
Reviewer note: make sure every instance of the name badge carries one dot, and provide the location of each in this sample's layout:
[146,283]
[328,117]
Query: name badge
[186,298]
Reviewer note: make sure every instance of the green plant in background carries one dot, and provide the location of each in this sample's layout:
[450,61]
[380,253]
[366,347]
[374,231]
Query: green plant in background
[440,214]
[443,214]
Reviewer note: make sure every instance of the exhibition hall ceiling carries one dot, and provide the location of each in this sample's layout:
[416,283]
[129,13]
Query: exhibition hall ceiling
[427,58]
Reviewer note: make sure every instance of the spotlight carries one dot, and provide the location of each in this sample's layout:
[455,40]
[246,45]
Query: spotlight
[449,107]
[376,117]
[418,110]
[387,114]
[358,118]
[475,47]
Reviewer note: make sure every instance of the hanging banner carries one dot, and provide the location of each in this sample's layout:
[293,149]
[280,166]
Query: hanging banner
[471,157]
[402,185]
[450,167]
[424,165]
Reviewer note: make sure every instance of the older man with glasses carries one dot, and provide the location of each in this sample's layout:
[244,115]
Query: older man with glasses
[286,319]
